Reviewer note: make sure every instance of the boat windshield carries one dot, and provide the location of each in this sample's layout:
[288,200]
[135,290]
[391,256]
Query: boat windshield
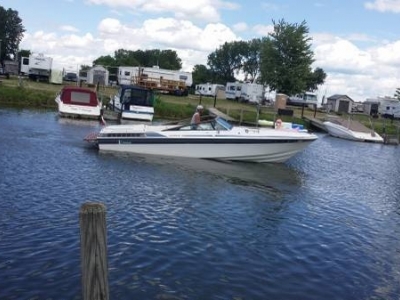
[222,124]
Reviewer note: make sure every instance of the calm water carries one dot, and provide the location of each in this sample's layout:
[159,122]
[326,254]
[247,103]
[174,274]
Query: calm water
[325,225]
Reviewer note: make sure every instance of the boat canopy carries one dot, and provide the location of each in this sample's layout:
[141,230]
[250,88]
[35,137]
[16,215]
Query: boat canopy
[136,95]
[79,96]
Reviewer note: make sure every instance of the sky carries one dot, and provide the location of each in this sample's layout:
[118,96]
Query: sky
[356,42]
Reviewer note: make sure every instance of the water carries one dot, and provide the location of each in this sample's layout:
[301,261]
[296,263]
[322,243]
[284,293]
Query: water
[325,225]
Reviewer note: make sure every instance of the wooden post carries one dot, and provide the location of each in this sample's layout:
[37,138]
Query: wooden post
[92,217]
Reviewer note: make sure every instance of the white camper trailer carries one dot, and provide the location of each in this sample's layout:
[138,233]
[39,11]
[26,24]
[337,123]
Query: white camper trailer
[306,98]
[389,107]
[56,76]
[37,67]
[126,74]
[208,89]
[233,90]
[170,81]
[252,92]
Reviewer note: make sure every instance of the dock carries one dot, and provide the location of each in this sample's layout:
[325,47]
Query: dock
[317,123]
[215,112]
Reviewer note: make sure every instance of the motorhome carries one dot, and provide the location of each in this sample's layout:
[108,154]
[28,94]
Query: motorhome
[245,92]
[208,89]
[233,90]
[389,107]
[305,98]
[37,67]
[252,92]
[170,81]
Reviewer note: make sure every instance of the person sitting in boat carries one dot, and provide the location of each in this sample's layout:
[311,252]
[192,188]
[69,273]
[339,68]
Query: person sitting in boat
[278,124]
[196,117]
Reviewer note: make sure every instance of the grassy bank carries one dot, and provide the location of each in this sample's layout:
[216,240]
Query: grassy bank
[41,95]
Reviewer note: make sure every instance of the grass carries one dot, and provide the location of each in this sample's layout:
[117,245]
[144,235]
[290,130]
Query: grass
[38,94]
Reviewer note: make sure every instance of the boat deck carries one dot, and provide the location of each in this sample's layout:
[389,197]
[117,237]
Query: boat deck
[350,124]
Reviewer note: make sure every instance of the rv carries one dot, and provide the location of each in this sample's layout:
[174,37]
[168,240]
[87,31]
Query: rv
[208,89]
[306,98]
[56,76]
[169,81]
[245,91]
[37,67]
[233,90]
[252,92]
[389,107]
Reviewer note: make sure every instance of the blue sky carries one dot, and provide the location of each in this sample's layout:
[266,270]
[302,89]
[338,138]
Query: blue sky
[356,42]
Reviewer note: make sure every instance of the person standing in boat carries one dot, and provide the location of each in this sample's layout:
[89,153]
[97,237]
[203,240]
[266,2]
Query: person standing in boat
[196,117]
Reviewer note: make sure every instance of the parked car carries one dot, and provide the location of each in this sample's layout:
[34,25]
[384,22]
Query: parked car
[71,77]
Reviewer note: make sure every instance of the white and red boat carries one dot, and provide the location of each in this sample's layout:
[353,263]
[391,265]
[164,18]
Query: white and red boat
[78,102]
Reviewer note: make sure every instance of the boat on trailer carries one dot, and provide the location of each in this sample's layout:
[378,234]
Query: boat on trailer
[214,138]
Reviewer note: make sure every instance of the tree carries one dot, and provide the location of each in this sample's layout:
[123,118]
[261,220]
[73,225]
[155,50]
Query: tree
[252,57]
[397,94]
[201,74]
[11,33]
[317,77]
[286,59]
[166,59]
[227,59]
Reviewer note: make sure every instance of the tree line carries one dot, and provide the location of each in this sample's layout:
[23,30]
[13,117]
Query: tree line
[282,60]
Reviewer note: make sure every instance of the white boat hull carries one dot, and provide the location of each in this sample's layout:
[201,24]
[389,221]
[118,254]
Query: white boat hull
[79,111]
[138,113]
[340,131]
[260,153]
[238,144]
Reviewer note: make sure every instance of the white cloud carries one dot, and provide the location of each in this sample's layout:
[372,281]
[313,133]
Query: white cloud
[239,27]
[358,73]
[388,54]
[384,5]
[263,30]
[69,28]
[202,10]
[341,55]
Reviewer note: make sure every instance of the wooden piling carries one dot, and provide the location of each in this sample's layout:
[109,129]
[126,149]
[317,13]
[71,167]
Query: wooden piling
[92,217]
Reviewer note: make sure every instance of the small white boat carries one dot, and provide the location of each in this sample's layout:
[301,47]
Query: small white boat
[349,131]
[78,102]
[213,139]
[134,103]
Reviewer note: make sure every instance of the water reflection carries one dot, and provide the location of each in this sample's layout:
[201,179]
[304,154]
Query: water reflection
[270,177]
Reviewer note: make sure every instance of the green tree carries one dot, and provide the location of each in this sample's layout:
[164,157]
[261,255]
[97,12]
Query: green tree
[201,74]
[125,58]
[226,60]
[23,53]
[286,59]
[105,61]
[252,60]
[316,78]
[397,94]
[166,59]
[11,33]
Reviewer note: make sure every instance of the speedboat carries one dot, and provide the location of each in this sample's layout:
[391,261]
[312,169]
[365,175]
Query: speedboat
[78,102]
[354,132]
[134,103]
[213,139]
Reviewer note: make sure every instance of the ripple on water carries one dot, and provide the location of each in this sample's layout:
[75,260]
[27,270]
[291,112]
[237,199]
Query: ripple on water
[323,226]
